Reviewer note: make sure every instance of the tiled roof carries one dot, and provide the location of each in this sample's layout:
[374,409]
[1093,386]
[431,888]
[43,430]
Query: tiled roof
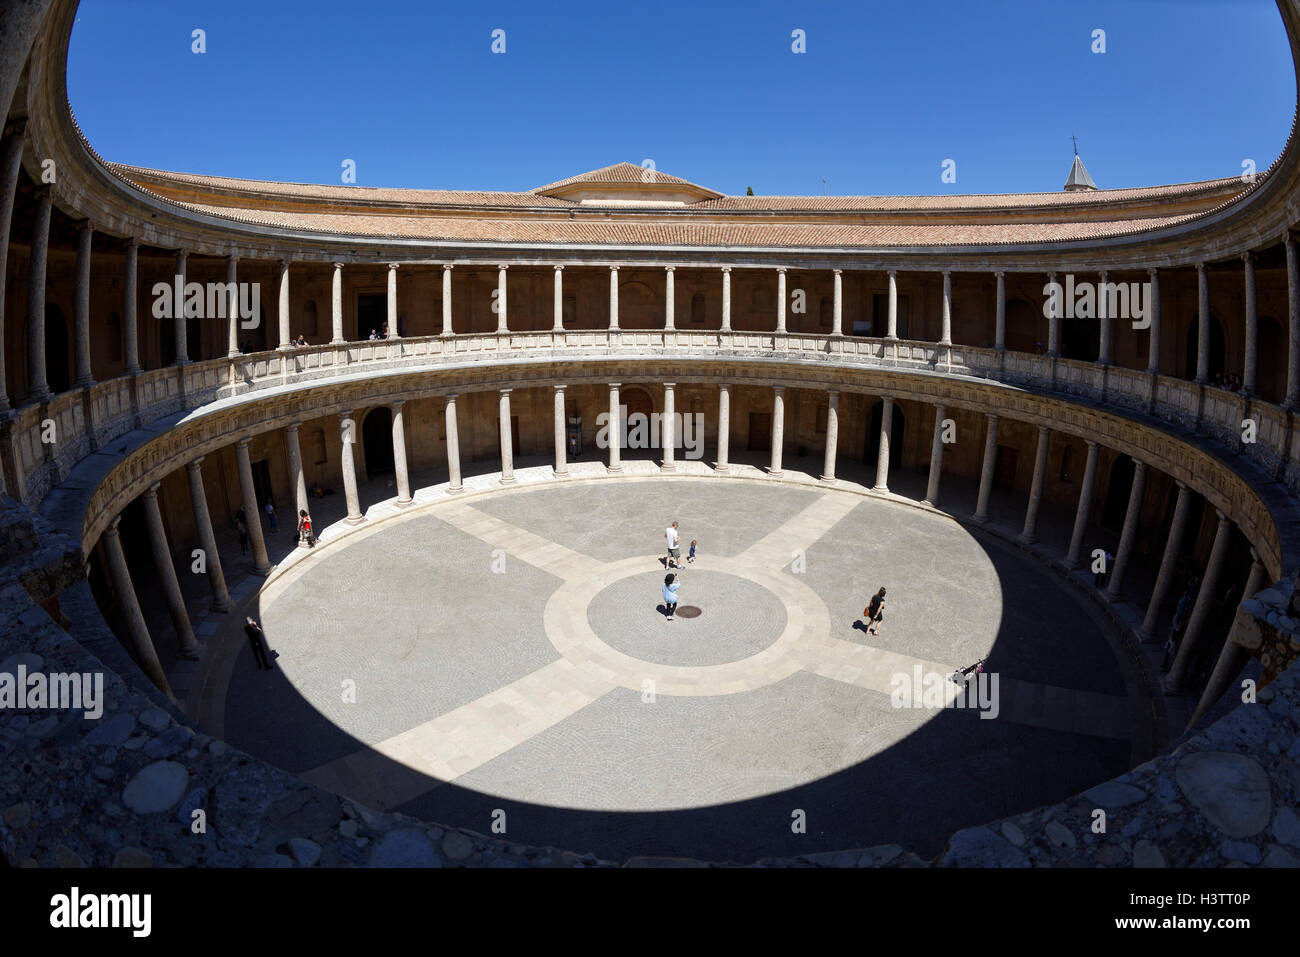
[620,173]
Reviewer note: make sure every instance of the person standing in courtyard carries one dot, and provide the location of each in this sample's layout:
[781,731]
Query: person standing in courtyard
[874,612]
[674,547]
[243,532]
[257,639]
[270,515]
[672,582]
[690,559]
[304,528]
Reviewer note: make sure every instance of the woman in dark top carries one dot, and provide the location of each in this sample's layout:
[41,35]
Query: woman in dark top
[874,612]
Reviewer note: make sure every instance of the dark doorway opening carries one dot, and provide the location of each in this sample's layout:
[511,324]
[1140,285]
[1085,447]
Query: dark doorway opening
[1022,326]
[262,483]
[1004,469]
[1117,492]
[760,431]
[1080,339]
[194,339]
[377,441]
[1270,369]
[58,372]
[871,442]
[372,314]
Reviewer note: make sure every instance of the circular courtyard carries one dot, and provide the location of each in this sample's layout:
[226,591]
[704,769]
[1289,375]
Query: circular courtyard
[504,661]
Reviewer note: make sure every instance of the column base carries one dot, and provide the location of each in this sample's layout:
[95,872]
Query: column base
[84,383]
[221,607]
[350,520]
[667,467]
[880,488]
[828,479]
[338,342]
[446,334]
[614,469]
[1172,689]
[560,473]
[187,655]
[775,473]
[508,481]
[1028,539]
[262,570]
[979,519]
[453,489]
[403,503]
[722,468]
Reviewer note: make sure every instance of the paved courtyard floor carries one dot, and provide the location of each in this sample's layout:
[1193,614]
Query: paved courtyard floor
[504,657]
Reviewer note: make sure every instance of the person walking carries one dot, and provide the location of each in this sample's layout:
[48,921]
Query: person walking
[257,639]
[304,529]
[874,612]
[671,584]
[270,515]
[674,547]
[690,559]
[243,532]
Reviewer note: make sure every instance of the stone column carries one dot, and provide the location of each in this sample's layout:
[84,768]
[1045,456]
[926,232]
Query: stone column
[882,457]
[446,299]
[1036,487]
[11,158]
[1293,325]
[252,513]
[203,523]
[891,331]
[557,323]
[1084,508]
[1053,322]
[232,306]
[726,298]
[399,455]
[1252,325]
[837,305]
[613,298]
[182,356]
[282,304]
[296,476]
[832,435]
[1103,318]
[503,325]
[778,428]
[1202,324]
[1153,352]
[1000,313]
[670,298]
[393,331]
[667,431]
[1168,563]
[1233,657]
[348,434]
[38,386]
[453,446]
[780,301]
[561,434]
[936,457]
[507,440]
[1201,611]
[945,338]
[1132,517]
[336,305]
[986,469]
[81,315]
[138,631]
[615,430]
[724,426]
[130,293]
[166,568]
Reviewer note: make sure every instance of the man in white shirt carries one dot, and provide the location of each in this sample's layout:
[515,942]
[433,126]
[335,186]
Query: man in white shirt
[674,549]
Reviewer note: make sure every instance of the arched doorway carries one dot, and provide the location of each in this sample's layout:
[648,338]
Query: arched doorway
[1270,369]
[1022,326]
[377,441]
[1118,487]
[1217,349]
[639,307]
[871,443]
[58,371]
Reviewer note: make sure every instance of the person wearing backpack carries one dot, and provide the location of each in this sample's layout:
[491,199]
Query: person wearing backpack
[874,612]
[304,528]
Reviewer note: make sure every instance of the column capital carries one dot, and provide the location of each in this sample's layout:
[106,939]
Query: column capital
[112,526]
[1043,430]
[724,385]
[283,264]
[670,268]
[893,273]
[45,193]
[725,268]
[152,490]
[1103,273]
[1254,557]
[243,444]
[392,267]
[448,267]
[181,255]
[452,396]
[292,428]
[1091,443]
[1152,271]
[833,394]
[1139,466]
[837,271]
[1224,521]
[195,465]
[85,226]
[670,385]
[1051,276]
[781,269]
[344,416]
[1200,267]
[16,128]
[947,274]
[503,266]
[133,242]
[1000,273]
[505,391]
[615,385]
[993,417]
[559,388]
[338,267]
[778,389]
[1248,256]
[1182,486]
[558,268]
[396,406]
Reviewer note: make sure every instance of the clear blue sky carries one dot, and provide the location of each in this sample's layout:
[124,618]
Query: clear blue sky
[711,92]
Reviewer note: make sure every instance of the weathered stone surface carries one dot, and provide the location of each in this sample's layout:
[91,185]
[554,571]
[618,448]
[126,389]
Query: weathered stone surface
[132,857]
[1059,834]
[1013,833]
[457,846]
[17,815]
[154,719]
[156,788]
[1146,854]
[1240,851]
[1114,794]
[1286,826]
[404,847]
[305,852]
[980,847]
[1231,790]
[111,731]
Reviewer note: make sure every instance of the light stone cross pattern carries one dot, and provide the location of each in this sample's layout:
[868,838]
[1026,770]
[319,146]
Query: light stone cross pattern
[404,766]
